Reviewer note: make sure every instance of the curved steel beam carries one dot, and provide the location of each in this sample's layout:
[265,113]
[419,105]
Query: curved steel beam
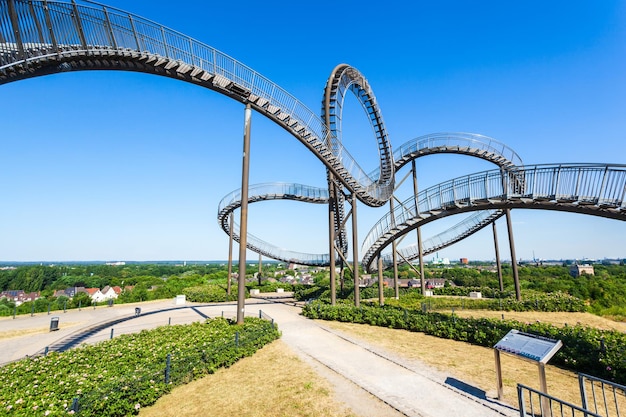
[456,233]
[345,78]
[464,143]
[273,191]
[594,189]
[471,144]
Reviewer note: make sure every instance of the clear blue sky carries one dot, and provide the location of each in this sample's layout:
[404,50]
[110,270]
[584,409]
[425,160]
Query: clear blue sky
[127,166]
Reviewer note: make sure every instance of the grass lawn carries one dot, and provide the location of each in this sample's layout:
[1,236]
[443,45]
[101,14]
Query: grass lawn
[275,382]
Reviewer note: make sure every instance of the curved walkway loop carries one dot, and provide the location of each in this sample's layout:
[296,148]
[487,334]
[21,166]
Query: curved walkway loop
[470,144]
[406,387]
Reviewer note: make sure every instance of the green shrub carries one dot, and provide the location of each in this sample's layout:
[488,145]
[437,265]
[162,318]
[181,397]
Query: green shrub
[208,294]
[119,376]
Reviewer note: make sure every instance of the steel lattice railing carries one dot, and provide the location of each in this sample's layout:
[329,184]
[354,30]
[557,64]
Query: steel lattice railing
[597,189]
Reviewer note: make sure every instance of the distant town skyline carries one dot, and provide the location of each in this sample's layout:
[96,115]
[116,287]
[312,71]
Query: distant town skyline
[119,165]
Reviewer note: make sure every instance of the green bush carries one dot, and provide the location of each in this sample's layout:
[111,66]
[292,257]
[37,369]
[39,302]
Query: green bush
[119,376]
[531,301]
[270,286]
[209,294]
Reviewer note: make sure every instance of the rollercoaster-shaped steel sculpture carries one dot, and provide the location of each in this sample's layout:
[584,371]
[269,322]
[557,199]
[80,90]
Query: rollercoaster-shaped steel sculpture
[39,37]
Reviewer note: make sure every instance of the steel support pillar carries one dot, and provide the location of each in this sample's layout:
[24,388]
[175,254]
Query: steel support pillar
[381,283]
[420,250]
[230,251]
[332,202]
[259,274]
[355,254]
[421,260]
[243,223]
[498,263]
[394,255]
[509,226]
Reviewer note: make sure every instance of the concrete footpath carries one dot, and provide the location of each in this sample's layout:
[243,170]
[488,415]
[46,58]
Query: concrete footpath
[407,387]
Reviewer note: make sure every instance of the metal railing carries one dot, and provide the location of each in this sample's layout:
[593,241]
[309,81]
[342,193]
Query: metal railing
[602,396]
[568,187]
[534,403]
[273,191]
[459,142]
[454,234]
[33,31]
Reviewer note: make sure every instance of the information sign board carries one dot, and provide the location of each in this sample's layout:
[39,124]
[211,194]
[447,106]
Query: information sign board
[528,346]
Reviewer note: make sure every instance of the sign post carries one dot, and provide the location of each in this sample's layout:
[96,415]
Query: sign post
[526,346]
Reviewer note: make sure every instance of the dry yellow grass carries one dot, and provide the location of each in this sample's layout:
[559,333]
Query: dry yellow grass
[273,382]
[11,334]
[14,334]
[558,319]
[473,365]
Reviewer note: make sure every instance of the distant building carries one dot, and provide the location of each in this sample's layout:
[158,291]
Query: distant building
[19,296]
[578,270]
[440,261]
[464,261]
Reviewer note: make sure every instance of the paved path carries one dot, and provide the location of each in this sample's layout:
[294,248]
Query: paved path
[407,387]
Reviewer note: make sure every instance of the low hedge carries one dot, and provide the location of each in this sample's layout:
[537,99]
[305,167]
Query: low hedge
[585,349]
[120,376]
[208,294]
[531,301]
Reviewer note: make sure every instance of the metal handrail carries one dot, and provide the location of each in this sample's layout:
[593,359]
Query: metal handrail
[32,30]
[610,404]
[479,145]
[454,234]
[547,405]
[273,191]
[571,185]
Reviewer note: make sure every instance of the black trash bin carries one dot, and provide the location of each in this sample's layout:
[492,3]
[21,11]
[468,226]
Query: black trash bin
[54,324]
[137,311]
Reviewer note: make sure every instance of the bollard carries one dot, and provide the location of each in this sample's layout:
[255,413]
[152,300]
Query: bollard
[169,321]
[272,324]
[48,308]
[260,314]
[75,405]
[222,313]
[112,333]
[237,339]
[14,311]
[94,305]
[80,303]
[502,316]
[65,306]
[167,368]
[45,352]
[32,309]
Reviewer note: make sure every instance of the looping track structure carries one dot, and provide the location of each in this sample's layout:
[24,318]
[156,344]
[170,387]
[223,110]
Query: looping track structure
[42,37]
